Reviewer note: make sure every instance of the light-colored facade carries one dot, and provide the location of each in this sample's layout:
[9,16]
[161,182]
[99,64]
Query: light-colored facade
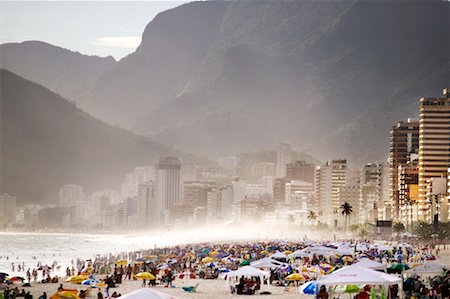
[167,186]
[297,193]
[70,195]
[329,178]
[283,158]
[8,205]
[434,145]
[148,214]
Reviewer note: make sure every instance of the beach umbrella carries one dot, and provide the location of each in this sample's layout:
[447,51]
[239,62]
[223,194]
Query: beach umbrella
[309,288]
[65,294]
[349,289]
[121,262]
[347,259]
[162,267]
[147,293]
[145,275]
[326,267]
[17,279]
[101,285]
[89,282]
[207,260]
[76,279]
[244,263]
[296,277]
[372,293]
[398,268]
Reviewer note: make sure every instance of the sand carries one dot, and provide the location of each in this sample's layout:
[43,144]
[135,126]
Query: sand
[216,289]
[207,289]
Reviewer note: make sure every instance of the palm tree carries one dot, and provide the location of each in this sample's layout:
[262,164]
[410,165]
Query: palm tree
[346,210]
[312,216]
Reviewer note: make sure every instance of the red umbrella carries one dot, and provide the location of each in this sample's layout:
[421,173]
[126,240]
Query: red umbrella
[17,279]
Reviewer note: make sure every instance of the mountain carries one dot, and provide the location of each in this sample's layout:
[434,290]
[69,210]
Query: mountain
[62,71]
[48,142]
[173,44]
[330,77]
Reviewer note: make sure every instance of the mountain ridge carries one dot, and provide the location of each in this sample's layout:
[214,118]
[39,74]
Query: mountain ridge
[48,142]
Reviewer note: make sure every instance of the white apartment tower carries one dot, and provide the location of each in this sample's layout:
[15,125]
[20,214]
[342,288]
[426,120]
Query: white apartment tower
[167,186]
[329,179]
[283,158]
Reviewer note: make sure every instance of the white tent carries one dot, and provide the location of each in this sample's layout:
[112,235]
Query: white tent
[345,250]
[265,263]
[147,293]
[359,275]
[366,263]
[278,255]
[427,268]
[249,271]
[299,254]
[320,250]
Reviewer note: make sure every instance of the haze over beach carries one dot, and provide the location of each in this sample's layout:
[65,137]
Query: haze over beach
[176,149]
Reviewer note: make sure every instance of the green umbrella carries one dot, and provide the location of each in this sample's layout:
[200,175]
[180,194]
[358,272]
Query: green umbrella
[398,268]
[372,293]
[351,288]
[244,263]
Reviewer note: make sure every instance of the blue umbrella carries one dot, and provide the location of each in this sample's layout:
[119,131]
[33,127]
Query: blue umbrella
[89,282]
[309,288]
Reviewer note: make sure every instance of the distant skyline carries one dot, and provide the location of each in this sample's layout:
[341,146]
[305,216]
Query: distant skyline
[100,28]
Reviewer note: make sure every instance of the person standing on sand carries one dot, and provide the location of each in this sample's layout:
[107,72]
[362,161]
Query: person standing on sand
[99,294]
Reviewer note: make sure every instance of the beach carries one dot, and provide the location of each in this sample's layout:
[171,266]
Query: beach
[207,288]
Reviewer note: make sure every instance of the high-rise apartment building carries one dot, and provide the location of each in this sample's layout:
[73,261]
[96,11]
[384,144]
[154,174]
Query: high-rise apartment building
[7,209]
[167,185]
[300,171]
[408,180]
[329,178]
[434,145]
[148,214]
[283,158]
[70,195]
[404,141]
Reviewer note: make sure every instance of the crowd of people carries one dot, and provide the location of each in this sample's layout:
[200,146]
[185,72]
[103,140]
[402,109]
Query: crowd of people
[213,261]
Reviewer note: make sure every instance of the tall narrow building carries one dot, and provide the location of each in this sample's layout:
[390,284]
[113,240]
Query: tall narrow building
[283,158]
[167,186]
[329,179]
[434,145]
[404,141]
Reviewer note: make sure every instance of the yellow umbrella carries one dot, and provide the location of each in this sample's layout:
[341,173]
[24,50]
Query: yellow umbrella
[145,275]
[207,260]
[287,252]
[76,278]
[150,257]
[214,253]
[65,294]
[101,284]
[295,277]
[347,259]
[121,262]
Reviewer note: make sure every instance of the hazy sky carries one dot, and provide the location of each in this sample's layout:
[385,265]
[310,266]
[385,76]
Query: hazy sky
[90,27]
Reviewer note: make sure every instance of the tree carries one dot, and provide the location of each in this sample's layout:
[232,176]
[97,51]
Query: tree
[364,230]
[312,216]
[346,210]
[398,227]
